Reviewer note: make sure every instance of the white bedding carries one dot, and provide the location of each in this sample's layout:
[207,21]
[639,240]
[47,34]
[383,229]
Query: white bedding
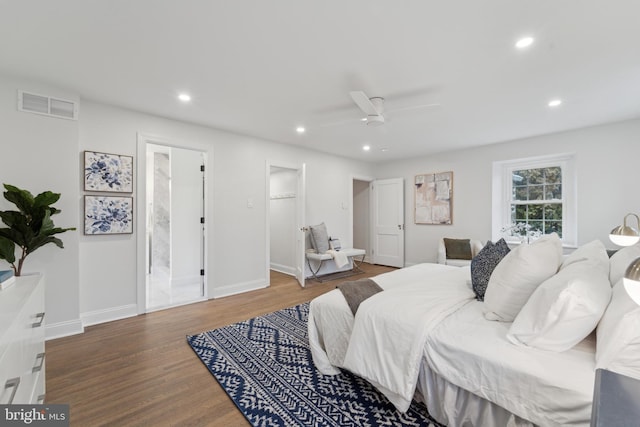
[331,321]
[390,329]
[544,387]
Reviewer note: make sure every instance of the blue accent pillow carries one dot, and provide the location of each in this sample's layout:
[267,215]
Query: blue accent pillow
[482,265]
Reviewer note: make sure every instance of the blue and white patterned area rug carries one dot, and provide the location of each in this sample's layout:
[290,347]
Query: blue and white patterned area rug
[264,364]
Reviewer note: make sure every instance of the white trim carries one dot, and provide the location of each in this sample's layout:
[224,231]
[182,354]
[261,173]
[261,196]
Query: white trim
[502,170]
[284,269]
[63,329]
[109,314]
[238,288]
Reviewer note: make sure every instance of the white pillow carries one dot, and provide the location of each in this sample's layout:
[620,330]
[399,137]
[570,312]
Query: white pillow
[620,261]
[564,309]
[618,335]
[593,253]
[519,273]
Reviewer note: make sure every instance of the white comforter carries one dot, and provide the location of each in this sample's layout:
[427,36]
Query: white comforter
[546,387]
[385,341]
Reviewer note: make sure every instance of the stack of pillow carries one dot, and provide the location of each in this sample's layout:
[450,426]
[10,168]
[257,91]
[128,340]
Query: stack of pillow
[555,302]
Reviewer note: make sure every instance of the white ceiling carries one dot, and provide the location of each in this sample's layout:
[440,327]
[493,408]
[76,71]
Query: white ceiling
[261,68]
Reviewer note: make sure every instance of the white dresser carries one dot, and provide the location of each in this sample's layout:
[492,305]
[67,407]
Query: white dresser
[22,369]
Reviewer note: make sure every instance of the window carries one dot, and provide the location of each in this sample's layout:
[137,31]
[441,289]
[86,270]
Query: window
[537,195]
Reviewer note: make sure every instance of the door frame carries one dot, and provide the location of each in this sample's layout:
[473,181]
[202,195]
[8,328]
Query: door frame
[285,165]
[141,211]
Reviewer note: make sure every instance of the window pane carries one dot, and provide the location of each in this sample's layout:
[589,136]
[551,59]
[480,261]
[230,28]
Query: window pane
[536,192]
[553,175]
[553,211]
[553,227]
[536,226]
[535,211]
[520,213]
[553,191]
[517,178]
[520,193]
[535,176]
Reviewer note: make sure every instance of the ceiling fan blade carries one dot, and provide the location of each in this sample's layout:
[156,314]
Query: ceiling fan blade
[362,100]
[413,107]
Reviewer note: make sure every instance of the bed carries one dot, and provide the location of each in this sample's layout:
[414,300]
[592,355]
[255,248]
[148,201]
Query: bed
[426,337]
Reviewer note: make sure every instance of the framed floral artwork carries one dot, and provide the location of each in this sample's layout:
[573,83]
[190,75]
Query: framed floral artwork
[108,215]
[108,172]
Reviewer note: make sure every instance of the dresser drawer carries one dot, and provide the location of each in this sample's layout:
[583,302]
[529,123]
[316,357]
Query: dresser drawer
[22,341]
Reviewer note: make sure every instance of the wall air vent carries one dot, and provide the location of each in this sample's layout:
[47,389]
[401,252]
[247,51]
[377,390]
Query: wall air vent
[47,105]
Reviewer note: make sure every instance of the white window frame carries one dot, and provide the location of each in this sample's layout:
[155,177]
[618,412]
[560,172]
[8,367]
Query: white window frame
[501,194]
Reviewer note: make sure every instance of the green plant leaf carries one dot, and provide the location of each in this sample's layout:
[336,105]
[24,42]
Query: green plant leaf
[7,250]
[23,199]
[45,199]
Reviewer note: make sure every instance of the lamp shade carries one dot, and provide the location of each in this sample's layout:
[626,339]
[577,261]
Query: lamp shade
[632,280]
[623,235]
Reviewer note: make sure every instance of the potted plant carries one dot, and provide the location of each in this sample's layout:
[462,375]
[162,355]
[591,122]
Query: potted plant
[28,228]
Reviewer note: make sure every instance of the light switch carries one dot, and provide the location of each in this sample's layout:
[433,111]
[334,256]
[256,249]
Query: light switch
[249,203]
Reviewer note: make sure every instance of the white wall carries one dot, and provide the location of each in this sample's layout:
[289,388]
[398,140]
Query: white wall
[283,219]
[607,174]
[41,153]
[236,233]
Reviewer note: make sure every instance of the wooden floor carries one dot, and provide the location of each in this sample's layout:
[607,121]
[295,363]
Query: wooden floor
[140,371]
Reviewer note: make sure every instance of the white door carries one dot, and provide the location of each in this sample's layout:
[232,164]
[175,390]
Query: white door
[300,226]
[387,219]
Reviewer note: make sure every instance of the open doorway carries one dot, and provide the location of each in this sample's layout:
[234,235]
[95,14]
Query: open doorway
[174,226]
[282,214]
[361,216]
[286,220]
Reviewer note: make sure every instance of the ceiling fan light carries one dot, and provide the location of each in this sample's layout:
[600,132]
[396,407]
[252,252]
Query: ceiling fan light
[375,120]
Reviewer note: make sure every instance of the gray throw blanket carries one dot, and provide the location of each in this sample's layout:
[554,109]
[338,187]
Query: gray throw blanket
[357,291]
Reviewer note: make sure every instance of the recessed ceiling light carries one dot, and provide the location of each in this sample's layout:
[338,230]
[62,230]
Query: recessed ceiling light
[184,97]
[366,147]
[555,102]
[364,119]
[524,42]
[384,149]
[300,129]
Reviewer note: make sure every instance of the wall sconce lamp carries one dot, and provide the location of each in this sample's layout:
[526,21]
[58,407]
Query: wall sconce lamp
[624,235]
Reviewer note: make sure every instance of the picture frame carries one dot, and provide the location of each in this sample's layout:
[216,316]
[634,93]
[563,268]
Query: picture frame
[104,172]
[108,215]
[433,198]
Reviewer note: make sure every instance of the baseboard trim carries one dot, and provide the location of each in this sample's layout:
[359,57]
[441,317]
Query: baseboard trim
[284,269]
[63,329]
[109,314]
[238,288]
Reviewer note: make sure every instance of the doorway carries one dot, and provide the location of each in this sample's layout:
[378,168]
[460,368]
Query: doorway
[285,215]
[361,216]
[174,226]
[282,227]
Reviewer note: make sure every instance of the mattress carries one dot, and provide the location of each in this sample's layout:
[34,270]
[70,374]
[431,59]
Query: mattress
[544,387]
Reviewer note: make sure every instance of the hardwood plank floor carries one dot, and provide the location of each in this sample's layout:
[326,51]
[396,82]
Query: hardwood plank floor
[140,371]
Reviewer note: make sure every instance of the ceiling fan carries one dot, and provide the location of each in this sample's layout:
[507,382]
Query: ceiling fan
[373,107]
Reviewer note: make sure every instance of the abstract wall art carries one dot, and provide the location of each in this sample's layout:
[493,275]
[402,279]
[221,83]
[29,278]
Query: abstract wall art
[433,198]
